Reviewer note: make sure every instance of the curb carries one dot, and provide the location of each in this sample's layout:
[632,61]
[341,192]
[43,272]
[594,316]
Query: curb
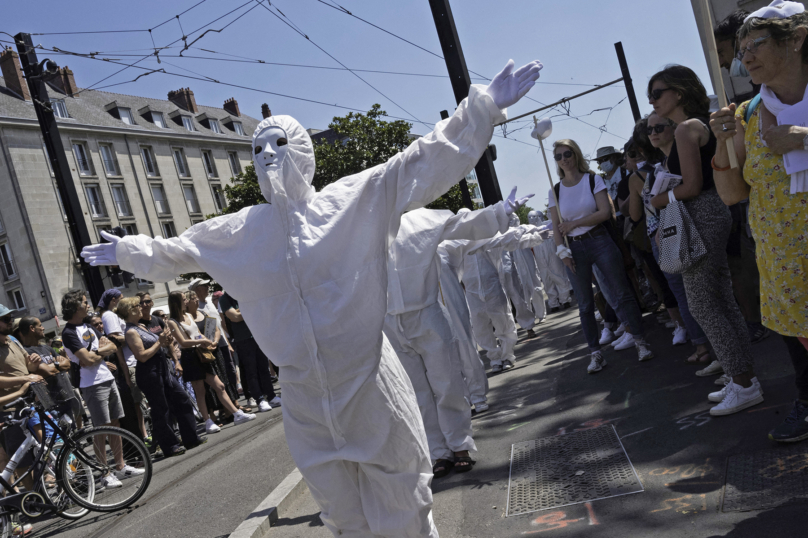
[265,515]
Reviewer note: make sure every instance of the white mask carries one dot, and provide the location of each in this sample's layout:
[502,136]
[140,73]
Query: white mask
[607,166]
[738,69]
[284,159]
[513,221]
[533,218]
[270,148]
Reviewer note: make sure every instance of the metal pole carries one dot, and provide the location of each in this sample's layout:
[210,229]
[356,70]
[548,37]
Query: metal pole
[461,82]
[464,186]
[632,97]
[79,232]
[552,186]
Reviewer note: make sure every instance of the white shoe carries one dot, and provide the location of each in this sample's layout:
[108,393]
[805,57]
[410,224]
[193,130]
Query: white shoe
[480,407]
[670,324]
[264,406]
[240,417]
[606,336]
[507,365]
[723,380]
[275,402]
[737,399]
[620,330]
[251,402]
[644,352]
[597,363]
[679,335]
[627,341]
[711,369]
[110,481]
[211,427]
[127,472]
[598,317]
[719,395]
[496,367]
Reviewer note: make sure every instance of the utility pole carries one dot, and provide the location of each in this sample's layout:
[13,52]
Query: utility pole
[461,82]
[35,74]
[632,97]
[464,186]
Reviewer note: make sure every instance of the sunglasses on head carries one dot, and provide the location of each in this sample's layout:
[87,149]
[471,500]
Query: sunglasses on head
[656,94]
[566,155]
[658,128]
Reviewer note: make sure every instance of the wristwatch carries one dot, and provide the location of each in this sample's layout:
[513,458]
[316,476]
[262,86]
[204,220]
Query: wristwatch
[805,143]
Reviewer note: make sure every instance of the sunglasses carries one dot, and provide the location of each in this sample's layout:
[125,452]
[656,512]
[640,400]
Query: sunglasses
[146,303]
[632,154]
[658,128]
[752,46]
[656,94]
[566,155]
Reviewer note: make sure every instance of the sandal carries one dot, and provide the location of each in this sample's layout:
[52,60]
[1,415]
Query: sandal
[442,468]
[469,464]
[698,359]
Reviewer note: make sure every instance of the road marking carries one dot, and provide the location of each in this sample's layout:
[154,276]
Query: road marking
[635,433]
[517,426]
[625,404]
[591,511]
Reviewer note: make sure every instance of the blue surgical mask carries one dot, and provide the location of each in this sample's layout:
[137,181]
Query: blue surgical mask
[738,69]
[607,166]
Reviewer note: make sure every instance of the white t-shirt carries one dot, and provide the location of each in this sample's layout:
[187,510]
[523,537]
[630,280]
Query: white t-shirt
[76,337]
[577,202]
[114,324]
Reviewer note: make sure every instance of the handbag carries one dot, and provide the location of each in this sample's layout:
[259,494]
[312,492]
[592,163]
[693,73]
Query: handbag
[205,356]
[680,245]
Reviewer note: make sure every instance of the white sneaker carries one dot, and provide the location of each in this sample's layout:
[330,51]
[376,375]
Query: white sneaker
[644,352]
[251,402]
[480,407]
[625,342]
[597,363]
[240,417]
[264,406]
[598,317]
[507,365]
[711,369]
[275,402]
[211,427]
[737,399]
[620,330]
[670,324]
[127,472]
[679,335]
[606,336]
[110,481]
[723,380]
[496,367]
[719,395]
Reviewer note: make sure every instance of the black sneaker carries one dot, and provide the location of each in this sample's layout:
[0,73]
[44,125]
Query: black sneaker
[567,305]
[554,309]
[757,332]
[794,428]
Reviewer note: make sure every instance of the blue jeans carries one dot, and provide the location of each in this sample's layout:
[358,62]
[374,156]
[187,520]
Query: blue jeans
[601,252]
[677,286]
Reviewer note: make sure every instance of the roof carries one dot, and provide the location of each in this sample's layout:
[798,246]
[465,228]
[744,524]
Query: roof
[89,109]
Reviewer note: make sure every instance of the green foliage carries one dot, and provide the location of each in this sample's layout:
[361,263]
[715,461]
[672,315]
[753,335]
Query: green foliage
[244,191]
[452,200]
[522,213]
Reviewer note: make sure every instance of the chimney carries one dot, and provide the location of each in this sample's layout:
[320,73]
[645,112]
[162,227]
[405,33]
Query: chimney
[64,81]
[265,111]
[12,73]
[184,98]
[231,105]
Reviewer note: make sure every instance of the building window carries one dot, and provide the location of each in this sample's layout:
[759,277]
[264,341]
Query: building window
[190,199]
[83,159]
[238,128]
[210,166]
[214,126]
[126,116]
[160,200]
[218,198]
[168,229]
[149,162]
[97,209]
[15,299]
[59,108]
[188,123]
[7,262]
[181,162]
[235,165]
[158,119]
[131,229]
[110,161]
[122,207]
[194,222]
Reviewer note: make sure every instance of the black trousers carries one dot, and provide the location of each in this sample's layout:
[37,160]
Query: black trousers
[799,359]
[229,366]
[166,398]
[255,369]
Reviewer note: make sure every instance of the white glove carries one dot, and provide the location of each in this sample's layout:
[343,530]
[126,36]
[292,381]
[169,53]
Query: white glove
[102,253]
[563,252]
[512,204]
[508,87]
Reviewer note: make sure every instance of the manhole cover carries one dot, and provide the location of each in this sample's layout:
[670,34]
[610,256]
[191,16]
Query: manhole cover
[569,469]
[766,479]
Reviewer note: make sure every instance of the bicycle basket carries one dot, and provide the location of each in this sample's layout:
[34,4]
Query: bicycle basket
[60,387]
[43,395]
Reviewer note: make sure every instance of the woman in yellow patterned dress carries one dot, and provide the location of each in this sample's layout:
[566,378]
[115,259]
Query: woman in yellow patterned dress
[773,49]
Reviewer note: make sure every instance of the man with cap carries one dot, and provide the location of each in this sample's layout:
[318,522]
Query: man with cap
[609,160]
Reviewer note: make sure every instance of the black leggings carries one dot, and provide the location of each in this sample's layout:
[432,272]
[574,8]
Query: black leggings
[656,273]
[799,359]
[255,369]
[167,398]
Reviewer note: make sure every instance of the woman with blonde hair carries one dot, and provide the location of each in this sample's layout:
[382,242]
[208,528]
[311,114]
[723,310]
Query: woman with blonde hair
[585,207]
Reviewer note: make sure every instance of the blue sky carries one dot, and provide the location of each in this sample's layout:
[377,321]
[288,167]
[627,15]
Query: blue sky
[573,40]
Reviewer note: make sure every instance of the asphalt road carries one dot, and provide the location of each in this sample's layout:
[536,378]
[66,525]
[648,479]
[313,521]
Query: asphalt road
[659,409]
[207,492]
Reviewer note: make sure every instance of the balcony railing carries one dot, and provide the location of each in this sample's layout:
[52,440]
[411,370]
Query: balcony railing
[84,167]
[193,205]
[9,271]
[162,207]
[98,210]
[123,209]
[111,166]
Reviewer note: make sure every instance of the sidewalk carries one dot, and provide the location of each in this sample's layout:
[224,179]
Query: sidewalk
[661,412]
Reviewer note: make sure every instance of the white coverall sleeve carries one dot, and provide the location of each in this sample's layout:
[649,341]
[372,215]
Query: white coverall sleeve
[482,224]
[524,236]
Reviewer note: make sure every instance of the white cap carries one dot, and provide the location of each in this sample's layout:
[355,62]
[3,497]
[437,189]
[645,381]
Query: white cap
[197,282]
[779,9]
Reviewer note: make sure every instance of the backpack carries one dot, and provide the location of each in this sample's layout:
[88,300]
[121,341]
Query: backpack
[750,108]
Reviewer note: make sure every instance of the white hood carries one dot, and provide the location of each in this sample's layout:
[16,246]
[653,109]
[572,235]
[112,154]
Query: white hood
[293,180]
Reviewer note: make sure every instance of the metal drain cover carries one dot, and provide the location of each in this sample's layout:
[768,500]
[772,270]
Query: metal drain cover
[766,479]
[569,469]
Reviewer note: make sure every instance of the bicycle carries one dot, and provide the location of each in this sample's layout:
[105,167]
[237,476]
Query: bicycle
[78,463]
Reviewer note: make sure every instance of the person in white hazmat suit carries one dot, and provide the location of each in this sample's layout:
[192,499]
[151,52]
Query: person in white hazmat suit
[551,269]
[310,272]
[523,285]
[418,327]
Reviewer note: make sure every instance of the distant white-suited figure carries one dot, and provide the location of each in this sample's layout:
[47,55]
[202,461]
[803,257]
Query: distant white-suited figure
[551,269]
[523,285]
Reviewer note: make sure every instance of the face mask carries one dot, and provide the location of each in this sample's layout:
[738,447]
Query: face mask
[513,222]
[607,166]
[270,148]
[738,69]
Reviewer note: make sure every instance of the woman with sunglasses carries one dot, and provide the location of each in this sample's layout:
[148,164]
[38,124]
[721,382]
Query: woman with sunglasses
[677,94]
[584,207]
[774,51]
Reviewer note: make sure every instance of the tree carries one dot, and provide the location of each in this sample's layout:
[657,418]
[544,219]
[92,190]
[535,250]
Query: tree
[522,213]
[244,191]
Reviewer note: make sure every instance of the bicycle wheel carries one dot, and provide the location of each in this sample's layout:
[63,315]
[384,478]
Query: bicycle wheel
[79,474]
[121,472]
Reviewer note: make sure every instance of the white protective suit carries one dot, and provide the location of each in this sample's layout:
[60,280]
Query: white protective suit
[418,324]
[454,297]
[310,272]
[552,271]
[522,284]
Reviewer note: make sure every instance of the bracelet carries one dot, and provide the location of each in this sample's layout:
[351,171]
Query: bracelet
[717,169]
